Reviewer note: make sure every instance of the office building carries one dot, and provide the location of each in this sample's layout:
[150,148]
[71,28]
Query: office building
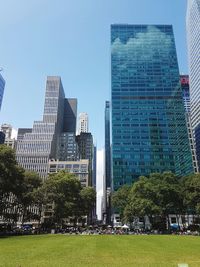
[11,143]
[94,166]
[184,79]
[2,137]
[36,148]
[149,131]
[2,85]
[85,150]
[7,130]
[83,123]
[193,42]
[67,147]
[70,114]
[21,132]
[78,168]
[47,138]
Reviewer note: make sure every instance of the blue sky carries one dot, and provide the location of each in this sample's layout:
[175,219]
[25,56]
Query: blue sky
[71,38]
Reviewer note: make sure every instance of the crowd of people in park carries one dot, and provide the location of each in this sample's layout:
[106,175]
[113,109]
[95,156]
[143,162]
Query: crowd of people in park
[120,231]
[93,230]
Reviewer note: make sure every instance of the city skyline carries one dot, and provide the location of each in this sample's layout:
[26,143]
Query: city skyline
[100,133]
[83,65]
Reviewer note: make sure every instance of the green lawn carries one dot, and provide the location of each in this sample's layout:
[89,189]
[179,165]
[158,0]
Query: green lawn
[99,251]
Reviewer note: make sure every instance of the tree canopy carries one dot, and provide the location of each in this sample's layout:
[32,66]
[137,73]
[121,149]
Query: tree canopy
[158,195]
[22,193]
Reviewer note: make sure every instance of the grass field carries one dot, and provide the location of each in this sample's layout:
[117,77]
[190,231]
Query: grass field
[99,251]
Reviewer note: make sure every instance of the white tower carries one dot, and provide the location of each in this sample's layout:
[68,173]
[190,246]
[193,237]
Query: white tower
[193,41]
[83,123]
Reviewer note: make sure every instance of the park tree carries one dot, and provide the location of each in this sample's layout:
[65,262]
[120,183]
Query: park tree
[141,200]
[62,192]
[29,198]
[168,193]
[88,200]
[11,184]
[156,195]
[120,198]
[191,193]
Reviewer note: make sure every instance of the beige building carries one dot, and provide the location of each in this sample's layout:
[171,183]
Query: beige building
[79,168]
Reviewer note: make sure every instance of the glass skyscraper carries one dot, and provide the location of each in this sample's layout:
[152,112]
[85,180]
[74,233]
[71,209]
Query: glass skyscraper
[149,132]
[2,85]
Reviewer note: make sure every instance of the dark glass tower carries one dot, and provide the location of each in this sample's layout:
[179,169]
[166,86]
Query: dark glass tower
[85,149]
[70,113]
[149,132]
[2,137]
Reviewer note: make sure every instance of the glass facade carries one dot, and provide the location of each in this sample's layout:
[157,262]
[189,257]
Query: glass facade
[68,148]
[2,85]
[85,150]
[149,132]
[2,137]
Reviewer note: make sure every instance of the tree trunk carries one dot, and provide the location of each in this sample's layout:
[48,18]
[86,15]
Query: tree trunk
[168,224]
[177,218]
